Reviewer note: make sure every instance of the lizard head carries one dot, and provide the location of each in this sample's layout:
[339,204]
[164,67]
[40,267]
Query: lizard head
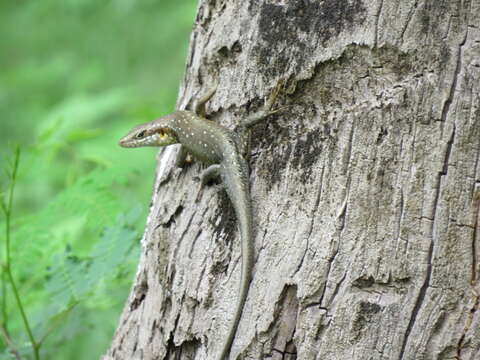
[149,134]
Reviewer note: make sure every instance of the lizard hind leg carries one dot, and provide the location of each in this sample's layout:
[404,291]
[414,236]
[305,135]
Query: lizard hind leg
[209,174]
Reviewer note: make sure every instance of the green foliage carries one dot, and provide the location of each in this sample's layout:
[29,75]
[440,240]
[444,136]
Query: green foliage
[77,75]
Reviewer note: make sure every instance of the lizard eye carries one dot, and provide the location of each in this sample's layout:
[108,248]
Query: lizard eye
[141,134]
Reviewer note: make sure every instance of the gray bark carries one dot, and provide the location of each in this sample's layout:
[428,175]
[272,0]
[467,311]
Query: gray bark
[366,189]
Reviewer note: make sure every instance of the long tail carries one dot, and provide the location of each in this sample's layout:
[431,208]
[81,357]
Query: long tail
[235,181]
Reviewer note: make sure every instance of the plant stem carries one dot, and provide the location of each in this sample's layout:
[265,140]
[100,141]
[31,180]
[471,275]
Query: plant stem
[7,207]
[35,346]
[4,300]
[9,343]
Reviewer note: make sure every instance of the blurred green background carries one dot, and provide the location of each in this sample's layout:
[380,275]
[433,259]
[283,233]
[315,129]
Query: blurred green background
[75,75]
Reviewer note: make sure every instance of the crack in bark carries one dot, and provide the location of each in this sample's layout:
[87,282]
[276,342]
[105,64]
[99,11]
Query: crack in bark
[400,217]
[312,222]
[426,283]
[286,301]
[194,242]
[340,219]
[335,291]
[330,262]
[473,281]
[140,294]
[453,86]
[285,352]
[180,238]
[170,346]
[475,234]
[200,277]
[303,257]
[346,158]
[409,19]
[468,325]
[377,18]
[202,216]
[446,158]
[171,219]
[419,301]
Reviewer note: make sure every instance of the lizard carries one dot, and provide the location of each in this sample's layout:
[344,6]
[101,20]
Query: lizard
[225,152]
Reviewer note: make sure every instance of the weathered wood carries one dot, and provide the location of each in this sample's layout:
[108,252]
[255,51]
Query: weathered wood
[366,189]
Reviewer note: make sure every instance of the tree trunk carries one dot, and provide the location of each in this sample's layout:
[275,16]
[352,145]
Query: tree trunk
[366,189]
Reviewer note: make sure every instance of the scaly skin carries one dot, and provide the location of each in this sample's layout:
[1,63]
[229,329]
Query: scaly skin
[215,145]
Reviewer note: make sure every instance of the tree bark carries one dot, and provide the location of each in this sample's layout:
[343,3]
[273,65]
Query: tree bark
[366,189]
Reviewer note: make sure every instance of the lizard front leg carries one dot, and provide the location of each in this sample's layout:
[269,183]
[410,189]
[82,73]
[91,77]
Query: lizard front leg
[199,104]
[181,159]
[265,111]
[255,118]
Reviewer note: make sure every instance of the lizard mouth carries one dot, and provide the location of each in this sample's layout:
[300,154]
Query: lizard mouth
[125,143]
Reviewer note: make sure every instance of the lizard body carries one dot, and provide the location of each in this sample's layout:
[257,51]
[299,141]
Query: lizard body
[222,150]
